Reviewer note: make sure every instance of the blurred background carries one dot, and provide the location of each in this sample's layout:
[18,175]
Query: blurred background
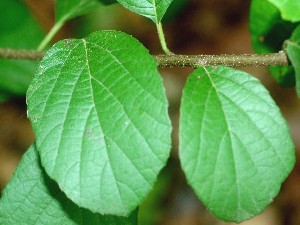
[191,27]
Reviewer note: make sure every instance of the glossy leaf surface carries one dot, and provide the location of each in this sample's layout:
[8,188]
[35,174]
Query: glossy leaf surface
[99,113]
[152,9]
[69,9]
[235,147]
[31,197]
[268,33]
[18,29]
[289,9]
[293,51]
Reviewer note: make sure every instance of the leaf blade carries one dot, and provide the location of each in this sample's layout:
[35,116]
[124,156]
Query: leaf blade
[16,75]
[69,9]
[268,33]
[229,156]
[153,9]
[112,117]
[293,51]
[31,197]
[289,9]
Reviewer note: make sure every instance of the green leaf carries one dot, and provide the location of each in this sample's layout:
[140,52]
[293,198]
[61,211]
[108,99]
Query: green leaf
[108,2]
[99,113]
[18,30]
[175,9]
[290,9]
[268,33]
[3,97]
[69,9]
[235,147]
[268,30]
[152,9]
[31,197]
[66,10]
[293,51]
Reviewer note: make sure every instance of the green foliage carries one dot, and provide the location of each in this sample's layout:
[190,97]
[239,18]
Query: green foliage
[268,33]
[99,112]
[224,112]
[108,2]
[69,9]
[289,9]
[152,9]
[16,75]
[153,209]
[293,51]
[66,10]
[83,137]
[31,197]
[175,8]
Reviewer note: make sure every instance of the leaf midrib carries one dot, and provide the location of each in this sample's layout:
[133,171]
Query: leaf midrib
[228,129]
[99,123]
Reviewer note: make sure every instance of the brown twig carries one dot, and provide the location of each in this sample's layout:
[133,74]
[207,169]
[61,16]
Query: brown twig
[243,60]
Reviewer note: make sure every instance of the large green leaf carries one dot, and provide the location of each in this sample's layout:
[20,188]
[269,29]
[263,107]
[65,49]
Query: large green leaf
[69,9]
[293,51]
[31,197]
[290,9]
[268,33]
[99,113]
[235,147]
[18,30]
[152,9]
